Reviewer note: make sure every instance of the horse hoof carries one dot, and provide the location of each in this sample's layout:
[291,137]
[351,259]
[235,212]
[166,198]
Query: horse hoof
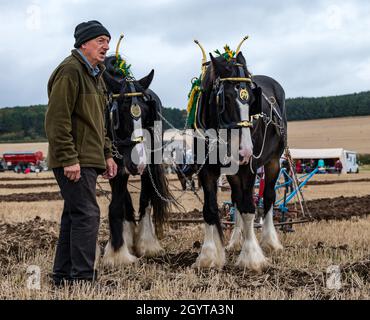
[203,265]
[253,260]
[114,262]
[204,262]
[117,258]
[257,267]
[234,246]
[271,246]
[150,251]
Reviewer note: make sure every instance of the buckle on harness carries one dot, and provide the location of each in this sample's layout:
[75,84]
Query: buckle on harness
[245,124]
[138,140]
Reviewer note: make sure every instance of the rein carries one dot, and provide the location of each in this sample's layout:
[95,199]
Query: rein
[272,103]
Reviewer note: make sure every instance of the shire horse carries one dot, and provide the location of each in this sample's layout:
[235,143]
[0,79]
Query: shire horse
[232,99]
[134,107]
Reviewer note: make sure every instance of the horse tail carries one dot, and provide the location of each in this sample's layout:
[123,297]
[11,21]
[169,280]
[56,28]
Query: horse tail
[161,197]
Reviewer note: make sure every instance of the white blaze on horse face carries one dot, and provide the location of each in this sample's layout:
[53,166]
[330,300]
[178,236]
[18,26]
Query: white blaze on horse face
[141,162]
[246,146]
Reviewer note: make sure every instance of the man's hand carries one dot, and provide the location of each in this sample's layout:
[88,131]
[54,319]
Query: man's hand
[73,172]
[111,171]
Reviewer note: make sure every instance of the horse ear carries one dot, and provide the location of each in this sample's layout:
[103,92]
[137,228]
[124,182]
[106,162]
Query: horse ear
[220,68]
[146,81]
[214,62]
[240,59]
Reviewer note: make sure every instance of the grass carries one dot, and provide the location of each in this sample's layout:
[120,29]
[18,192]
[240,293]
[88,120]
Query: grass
[365,168]
[299,272]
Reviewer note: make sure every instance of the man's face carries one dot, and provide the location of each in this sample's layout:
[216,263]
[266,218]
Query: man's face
[95,50]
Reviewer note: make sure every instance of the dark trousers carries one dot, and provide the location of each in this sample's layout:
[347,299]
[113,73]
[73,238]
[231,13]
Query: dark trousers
[75,254]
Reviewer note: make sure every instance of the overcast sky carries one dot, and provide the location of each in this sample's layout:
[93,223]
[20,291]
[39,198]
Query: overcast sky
[313,48]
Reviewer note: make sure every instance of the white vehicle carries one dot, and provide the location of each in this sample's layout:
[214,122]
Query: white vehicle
[329,157]
[351,162]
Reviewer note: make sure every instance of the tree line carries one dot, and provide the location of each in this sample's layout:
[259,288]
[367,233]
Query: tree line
[26,124]
[350,105]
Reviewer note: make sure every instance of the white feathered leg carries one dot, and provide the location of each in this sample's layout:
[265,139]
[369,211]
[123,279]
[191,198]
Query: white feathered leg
[212,254]
[147,243]
[251,257]
[236,239]
[124,255]
[270,240]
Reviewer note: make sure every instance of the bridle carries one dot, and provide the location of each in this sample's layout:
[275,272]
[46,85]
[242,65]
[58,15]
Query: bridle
[135,112]
[241,83]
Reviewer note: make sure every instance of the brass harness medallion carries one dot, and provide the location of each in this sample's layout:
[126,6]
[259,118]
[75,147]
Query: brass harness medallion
[135,111]
[243,94]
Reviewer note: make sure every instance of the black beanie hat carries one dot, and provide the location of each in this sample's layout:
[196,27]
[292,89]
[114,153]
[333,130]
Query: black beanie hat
[86,31]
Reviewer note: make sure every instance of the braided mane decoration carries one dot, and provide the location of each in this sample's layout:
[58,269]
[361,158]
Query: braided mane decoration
[228,54]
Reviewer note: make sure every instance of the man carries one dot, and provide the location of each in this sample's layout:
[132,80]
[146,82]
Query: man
[338,167]
[79,149]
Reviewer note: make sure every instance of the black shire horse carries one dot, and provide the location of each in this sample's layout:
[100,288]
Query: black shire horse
[255,106]
[133,108]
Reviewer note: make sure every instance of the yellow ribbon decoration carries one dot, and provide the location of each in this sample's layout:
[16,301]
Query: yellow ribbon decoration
[191,98]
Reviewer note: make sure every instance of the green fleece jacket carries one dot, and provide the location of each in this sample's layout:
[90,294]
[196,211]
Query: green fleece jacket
[74,121]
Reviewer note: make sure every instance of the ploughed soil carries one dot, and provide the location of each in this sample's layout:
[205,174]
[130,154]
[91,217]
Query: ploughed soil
[25,179]
[328,182]
[31,236]
[27,185]
[43,233]
[342,208]
[38,196]
[322,209]
[339,208]
[26,237]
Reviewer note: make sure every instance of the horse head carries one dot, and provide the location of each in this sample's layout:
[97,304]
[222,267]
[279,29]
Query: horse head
[236,99]
[131,116]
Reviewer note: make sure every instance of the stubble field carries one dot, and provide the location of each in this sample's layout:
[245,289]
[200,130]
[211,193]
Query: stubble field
[31,207]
